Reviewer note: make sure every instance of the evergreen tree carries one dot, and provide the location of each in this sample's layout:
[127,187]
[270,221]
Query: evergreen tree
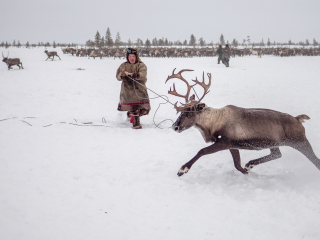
[248,40]
[160,42]
[2,44]
[129,42]
[118,40]
[268,43]
[315,43]
[202,42]
[90,43]
[166,43]
[7,45]
[54,44]
[185,43]
[193,40]
[148,43]
[178,43]
[307,42]
[222,41]
[108,38]
[102,42]
[262,43]
[97,39]
[289,43]
[27,44]
[139,42]
[14,43]
[19,44]
[234,43]
[154,42]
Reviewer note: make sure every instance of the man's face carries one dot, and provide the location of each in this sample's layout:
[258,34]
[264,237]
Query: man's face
[132,58]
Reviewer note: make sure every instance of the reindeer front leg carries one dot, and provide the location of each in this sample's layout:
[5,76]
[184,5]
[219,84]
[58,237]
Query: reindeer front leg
[216,147]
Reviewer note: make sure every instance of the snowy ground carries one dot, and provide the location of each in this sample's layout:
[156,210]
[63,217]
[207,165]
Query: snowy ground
[71,167]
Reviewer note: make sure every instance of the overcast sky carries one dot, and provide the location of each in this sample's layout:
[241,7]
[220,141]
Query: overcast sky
[67,21]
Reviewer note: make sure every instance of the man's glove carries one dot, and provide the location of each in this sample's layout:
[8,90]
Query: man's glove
[123,76]
[136,76]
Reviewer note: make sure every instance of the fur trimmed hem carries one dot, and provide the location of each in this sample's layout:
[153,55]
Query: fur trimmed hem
[133,107]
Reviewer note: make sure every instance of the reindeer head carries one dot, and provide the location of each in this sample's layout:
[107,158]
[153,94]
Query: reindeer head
[5,58]
[191,110]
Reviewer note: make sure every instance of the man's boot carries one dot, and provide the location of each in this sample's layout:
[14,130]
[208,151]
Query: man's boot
[219,61]
[136,122]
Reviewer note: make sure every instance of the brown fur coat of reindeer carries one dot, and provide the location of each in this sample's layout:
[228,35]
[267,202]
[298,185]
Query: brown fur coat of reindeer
[12,61]
[51,54]
[233,128]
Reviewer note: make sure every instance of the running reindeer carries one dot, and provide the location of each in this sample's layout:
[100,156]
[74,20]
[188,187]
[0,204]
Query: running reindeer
[51,54]
[233,128]
[12,61]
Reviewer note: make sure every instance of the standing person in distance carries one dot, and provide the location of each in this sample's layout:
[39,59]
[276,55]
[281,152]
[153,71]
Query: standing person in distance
[220,52]
[133,96]
[227,54]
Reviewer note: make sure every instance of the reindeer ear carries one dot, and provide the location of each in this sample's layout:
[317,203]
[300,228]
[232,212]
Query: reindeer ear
[192,98]
[200,106]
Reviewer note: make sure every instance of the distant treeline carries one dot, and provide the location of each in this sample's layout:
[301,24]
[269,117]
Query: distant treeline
[39,44]
[107,41]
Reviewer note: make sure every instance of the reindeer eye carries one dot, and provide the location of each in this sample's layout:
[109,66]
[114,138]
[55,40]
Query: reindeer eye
[190,114]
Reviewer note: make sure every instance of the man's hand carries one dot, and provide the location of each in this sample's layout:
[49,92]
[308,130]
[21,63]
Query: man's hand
[127,73]
[136,76]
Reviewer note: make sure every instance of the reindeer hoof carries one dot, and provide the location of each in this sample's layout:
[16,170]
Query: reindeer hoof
[248,167]
[182,171]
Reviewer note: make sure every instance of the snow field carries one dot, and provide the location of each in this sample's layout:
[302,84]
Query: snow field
[59,180]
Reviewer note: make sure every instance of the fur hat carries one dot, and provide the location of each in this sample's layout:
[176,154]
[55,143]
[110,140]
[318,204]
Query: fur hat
[133,51]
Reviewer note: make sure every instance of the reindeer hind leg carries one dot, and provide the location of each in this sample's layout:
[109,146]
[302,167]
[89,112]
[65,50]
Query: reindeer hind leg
[237,160]
[274,154]
[305,148]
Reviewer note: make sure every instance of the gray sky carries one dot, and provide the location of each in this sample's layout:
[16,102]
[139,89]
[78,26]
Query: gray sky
[67,21]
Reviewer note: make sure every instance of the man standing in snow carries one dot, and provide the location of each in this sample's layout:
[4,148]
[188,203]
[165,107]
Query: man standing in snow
[227,54]
[133,96]
[220,52]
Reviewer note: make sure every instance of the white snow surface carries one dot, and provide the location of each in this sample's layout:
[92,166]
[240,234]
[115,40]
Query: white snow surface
[71,166]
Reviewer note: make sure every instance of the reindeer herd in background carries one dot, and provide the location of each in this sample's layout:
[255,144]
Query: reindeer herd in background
[173,52]
[176,52]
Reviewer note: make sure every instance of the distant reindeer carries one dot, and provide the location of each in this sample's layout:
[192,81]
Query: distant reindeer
[233,128]
[51,54]
[12,61]
[95,54]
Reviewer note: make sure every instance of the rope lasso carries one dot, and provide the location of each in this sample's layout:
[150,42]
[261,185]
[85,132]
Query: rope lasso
[158,96]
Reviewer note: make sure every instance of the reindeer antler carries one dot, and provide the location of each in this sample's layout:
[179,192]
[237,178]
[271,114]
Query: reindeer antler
[205,86]
[4,56]
[186,97]
[179,76]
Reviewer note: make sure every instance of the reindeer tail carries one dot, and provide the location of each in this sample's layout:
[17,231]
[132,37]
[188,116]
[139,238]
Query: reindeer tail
[302,117]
